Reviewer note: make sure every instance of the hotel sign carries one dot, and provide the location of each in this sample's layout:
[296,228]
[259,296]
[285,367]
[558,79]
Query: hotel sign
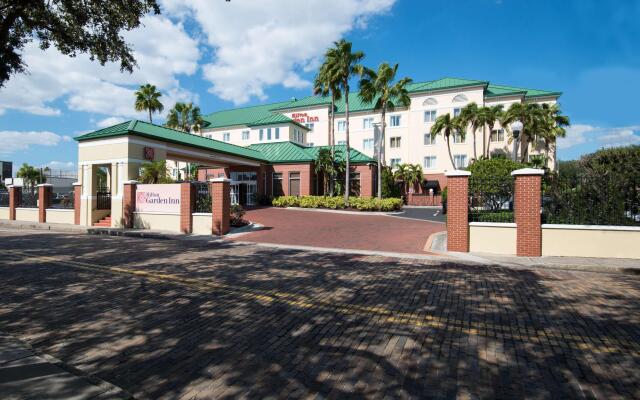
[164,198]
[303,118]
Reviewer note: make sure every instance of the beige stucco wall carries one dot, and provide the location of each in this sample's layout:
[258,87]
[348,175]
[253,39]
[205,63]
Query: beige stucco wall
[492,238]
[591,242]
[161,222]
[27,214]
[4,212]
[202,224]
[55,216]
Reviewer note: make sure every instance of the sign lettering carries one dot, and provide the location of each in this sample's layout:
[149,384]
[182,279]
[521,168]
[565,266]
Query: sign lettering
[304,118]
[163,198]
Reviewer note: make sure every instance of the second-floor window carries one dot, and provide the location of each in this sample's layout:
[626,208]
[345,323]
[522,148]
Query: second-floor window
[395,142]
[310,125]
[277,133]
[458,138]
[268,133]
[261,135]
[342,142]
[429,140]
[298,136]
[456,111]
[245,135]
[226,136]
[430,116]
[394,120]
[367,123]
[342,126]
[460,160]
[497,135]
[429,162]
[394,162]
[367,144]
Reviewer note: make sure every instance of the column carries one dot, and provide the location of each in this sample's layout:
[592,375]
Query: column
[527,208]
[15,194]
[220,205]
[44,195]
[458,210]
[77,194]
[128,203]
[187,201]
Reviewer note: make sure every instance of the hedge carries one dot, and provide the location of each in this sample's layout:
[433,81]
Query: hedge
[359,203]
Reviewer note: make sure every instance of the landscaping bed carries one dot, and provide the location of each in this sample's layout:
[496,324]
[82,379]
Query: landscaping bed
[338,203]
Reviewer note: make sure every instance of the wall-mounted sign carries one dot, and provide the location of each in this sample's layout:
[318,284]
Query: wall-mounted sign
[163,198]
[149,153]
[303,117]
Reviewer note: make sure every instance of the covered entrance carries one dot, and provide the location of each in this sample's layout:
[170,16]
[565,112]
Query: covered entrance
[244,188]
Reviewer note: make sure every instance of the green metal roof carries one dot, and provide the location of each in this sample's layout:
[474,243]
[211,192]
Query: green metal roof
[145,129]
[502,90]
[249,116]
[289,152]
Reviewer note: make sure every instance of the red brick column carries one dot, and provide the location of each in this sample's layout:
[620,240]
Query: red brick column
[187,200]
[527,206]
[128,203]
[77,195]
[44,193]
[15,193]
[220,205]
[458,210]
[366,180]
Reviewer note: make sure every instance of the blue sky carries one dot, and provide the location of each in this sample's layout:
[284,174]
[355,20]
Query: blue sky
[221,54]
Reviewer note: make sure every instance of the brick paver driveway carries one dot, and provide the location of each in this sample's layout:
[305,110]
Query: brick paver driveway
[344,231]
[172,319]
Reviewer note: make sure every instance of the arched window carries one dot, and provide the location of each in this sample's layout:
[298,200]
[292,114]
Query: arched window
[460,98]
[430,102]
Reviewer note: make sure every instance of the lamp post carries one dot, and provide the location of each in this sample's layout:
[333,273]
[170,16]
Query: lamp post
[377,134]
[516,128]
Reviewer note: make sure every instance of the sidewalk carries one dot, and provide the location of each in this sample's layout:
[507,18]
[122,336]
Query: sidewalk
[27,375]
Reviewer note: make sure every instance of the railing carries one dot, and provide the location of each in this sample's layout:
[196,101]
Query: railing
[491,199]
[4,199]
[61,200]
[202,202]
[591,200]
[103,200]
[28,199]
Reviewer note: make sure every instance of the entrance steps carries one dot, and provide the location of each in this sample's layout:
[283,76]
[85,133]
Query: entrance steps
[104,222]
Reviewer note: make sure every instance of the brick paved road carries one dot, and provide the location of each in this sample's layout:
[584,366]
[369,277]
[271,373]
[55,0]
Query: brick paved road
[343,231]
[169,319]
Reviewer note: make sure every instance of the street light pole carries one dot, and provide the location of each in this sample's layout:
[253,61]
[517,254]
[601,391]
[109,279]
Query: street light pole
[516,128]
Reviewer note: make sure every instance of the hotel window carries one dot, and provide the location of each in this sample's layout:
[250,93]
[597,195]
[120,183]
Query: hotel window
[294,183]
[460,160]
[277,133]
[394,162]
[297,135]
[429,140]
[310,144]
[367,123]
[457,111]
[497,135]
[394,120]
[342,126]
[430,116]
[429,162]
[342,142]
[245,135]
[310,126]
[226,136]
[208,135]
[276,187]
[367,144]
[395,142]
[458,138]
[261,135]
[268,133]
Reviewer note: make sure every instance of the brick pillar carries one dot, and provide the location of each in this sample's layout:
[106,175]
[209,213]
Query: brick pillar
[187,200]
[220,205]
[366,180]
[15,195]
[527,206]
[77,194]
[44,193]
[128,203]
[458,210]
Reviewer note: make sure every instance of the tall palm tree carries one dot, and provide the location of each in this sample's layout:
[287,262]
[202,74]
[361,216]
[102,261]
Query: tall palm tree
[553,127]
[491,115]
[147,98]
[379,86]
[472,115]
[343,62]
[446,125]
[531,117]
[185,117]
[328,83]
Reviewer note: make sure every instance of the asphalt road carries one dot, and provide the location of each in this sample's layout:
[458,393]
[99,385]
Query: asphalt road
[423,213]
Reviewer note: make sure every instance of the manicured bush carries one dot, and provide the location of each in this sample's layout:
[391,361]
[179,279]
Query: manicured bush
[237,213]
[337,202]
[311,201]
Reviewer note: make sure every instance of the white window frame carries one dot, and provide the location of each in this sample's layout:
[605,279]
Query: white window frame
[457,164]
[456,111]
[368,144]
[310,126]
[433,114]
[395,161]
[391,119]
[261,135]
[226,136]
[499,132]
[277,133]
[397,140]
[367,123]
[268,134]
[432,140]
[434,162]
[461,140]
[246,135]
[341,124]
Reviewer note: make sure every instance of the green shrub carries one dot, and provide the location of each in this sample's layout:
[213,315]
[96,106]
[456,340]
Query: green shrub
[337,202]
[237,213]
[286,201]
[311,201]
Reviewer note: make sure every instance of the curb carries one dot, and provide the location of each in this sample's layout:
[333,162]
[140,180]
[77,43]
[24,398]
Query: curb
[346,212]
[43,226]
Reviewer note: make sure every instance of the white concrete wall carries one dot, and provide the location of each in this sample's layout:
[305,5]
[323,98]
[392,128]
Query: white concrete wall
[57,216]
[4,212]
[157,221]
[591,241]
[27,214]
[490,237]
[202,223]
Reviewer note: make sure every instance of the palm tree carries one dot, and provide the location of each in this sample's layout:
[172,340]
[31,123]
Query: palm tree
[324,167]
[553,127]
[472,115]
[327,83]
[446,125]
[154,172]
[30,175]
[185,117]
[408,174]
[530,116]
[343,64]
[490,115]
[147,98]
[378,86]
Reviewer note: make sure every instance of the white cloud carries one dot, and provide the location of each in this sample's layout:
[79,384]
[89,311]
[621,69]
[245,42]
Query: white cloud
[257,44]
[604,136]
[109,122]
[59,164]
[13,141]
[162,48]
